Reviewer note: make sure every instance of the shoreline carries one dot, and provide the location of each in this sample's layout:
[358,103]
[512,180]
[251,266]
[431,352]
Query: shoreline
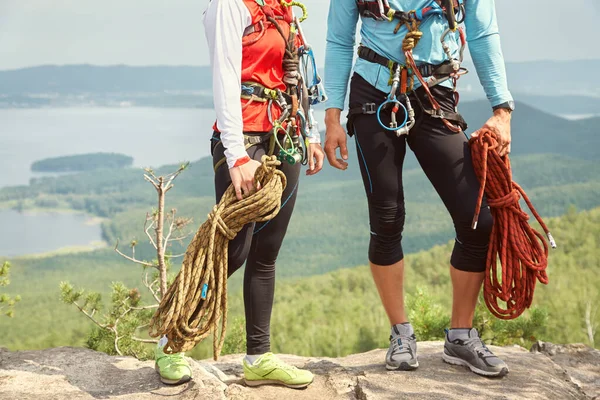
[34,211]
[66,250]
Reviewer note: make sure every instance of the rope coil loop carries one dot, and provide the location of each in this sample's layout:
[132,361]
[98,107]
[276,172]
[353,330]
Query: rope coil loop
[195,304]
[518,254]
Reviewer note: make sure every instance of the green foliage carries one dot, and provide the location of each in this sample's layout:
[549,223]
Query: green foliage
[523,331]
[7,302]
[114,331]
[427,318]
[82,162]
[235,341]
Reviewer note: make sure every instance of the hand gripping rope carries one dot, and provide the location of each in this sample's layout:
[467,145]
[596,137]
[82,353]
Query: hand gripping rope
[518,254]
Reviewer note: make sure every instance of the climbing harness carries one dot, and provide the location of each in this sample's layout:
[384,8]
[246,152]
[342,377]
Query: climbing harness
[402,76]
[195,304]
[296,127]
[518,254]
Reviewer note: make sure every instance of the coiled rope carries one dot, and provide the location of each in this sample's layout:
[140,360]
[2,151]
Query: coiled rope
[518,250]
[196,302]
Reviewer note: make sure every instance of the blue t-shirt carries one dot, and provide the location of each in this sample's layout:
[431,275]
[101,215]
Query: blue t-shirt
[482,36]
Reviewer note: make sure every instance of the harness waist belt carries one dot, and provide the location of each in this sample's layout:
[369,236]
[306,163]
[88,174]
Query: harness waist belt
[257,92]
[425,69]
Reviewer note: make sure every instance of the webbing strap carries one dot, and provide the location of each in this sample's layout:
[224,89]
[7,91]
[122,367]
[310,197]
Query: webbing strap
[371,108]
[370,55]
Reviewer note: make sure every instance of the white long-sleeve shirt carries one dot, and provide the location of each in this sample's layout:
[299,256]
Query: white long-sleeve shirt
[224,25]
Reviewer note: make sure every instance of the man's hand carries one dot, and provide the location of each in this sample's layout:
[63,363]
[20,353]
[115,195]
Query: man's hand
[335,137]
[242,178]
[499,124]
[315,158]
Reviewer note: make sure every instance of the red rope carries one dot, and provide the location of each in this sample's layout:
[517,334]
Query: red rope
[519,251]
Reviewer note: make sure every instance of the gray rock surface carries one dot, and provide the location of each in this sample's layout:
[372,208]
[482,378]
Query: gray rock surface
[581,363]
[572,372]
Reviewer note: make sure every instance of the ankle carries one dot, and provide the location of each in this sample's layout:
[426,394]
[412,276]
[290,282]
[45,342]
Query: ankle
[403,329]
[458,333]
[251,358]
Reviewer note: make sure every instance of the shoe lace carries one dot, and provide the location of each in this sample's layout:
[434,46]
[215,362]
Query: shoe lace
[479,346]
[282,365]
[400,344]
[176,359]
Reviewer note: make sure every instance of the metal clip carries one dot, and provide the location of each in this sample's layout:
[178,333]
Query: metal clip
[369,108]
[439,113]
[316,92]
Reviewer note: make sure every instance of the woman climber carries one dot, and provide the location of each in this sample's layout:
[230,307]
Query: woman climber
[262,102]
[410,56]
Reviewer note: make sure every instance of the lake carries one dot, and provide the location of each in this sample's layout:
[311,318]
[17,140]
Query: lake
[32,233]
[152,136]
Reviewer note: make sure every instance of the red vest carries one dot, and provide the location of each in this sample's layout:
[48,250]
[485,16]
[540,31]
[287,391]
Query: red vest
[262,62]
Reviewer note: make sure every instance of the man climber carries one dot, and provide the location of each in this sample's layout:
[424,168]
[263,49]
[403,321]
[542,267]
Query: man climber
[409,57]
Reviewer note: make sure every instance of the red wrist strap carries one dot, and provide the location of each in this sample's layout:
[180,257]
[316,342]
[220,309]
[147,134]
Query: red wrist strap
[241,161]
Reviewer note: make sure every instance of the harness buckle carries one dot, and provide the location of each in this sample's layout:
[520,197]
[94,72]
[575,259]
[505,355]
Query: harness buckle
[439,113]
[369,108]
[426,69]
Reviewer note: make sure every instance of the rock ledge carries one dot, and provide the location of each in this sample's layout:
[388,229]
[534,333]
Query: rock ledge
[547,372]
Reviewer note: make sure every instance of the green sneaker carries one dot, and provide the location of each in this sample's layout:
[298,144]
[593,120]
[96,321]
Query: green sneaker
[268,369]
[172,368]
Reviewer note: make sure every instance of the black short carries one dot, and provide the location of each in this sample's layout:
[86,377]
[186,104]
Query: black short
[446,160]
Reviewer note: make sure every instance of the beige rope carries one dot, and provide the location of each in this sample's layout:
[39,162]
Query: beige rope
[184,315]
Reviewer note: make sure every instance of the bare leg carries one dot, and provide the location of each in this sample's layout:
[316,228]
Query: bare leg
[389,280]
[465,288]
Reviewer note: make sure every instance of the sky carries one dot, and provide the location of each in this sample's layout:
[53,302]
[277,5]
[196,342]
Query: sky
[170,32]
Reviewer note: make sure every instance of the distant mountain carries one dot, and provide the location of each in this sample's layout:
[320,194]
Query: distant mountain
[72,79]
[547,78]
[535,131]
[543,85]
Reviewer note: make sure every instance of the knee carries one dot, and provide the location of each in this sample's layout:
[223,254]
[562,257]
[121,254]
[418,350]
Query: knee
[387,223]
[471,246]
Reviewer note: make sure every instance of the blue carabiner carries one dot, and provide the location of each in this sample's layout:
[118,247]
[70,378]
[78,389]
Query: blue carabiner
[392,100]
[311,56]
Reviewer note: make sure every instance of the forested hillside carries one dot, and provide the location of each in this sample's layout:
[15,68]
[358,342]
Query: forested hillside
[336,313]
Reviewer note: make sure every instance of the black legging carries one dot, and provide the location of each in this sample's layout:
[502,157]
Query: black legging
[445,159]
[258,245]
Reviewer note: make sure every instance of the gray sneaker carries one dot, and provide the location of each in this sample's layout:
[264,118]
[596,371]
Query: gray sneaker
[402,354]
[474,354]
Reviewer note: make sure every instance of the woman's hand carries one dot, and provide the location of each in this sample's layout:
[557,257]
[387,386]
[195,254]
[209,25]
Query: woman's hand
[242,178]
[315,158]
[335,137]
[499,124]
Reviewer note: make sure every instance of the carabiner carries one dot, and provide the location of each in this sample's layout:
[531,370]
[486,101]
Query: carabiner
[393,124]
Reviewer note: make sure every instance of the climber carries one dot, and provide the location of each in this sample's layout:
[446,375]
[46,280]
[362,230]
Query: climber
[403,91]
[263,106]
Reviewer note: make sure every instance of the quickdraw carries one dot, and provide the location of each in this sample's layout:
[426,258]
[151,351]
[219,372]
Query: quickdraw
[454,11]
